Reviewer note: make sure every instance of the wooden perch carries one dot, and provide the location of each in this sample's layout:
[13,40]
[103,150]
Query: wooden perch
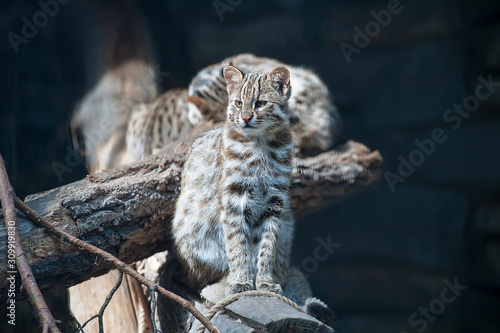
[127,210]
[254,313]
[265,314]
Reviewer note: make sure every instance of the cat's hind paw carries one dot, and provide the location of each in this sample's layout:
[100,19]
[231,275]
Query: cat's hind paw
[271,287]
[235,288]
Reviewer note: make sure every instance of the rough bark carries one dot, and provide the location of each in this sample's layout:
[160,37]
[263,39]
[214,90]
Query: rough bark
[127,210]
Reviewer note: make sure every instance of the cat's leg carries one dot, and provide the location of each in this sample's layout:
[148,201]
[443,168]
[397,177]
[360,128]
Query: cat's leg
[266,256]
[284,249]
[236,236]
[273,251]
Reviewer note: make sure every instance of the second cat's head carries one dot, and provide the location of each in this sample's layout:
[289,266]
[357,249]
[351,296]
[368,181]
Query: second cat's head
[257,101]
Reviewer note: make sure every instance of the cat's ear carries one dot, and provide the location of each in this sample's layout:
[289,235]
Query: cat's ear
[233,76]
[196,107]
[280,79]
[200,103]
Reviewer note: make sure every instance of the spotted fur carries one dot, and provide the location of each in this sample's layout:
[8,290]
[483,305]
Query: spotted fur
[152,126]
[314,120]
[233,216]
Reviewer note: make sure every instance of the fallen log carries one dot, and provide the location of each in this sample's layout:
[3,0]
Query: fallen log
[127,210]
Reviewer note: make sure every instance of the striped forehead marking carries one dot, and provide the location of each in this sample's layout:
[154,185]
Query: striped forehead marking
[251,86]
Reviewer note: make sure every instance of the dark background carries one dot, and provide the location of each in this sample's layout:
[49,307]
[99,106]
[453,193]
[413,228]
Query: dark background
[397,246]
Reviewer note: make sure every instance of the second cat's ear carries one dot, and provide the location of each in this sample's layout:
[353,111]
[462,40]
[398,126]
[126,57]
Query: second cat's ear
[196,109]
[199,102]
[233,76]
[280,79]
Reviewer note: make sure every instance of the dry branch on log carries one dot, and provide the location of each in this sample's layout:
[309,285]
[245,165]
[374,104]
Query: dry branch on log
[116,263]
[127,210]
[47,321]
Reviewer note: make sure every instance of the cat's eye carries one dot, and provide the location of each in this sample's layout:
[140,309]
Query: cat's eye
[260,103]
[238,103]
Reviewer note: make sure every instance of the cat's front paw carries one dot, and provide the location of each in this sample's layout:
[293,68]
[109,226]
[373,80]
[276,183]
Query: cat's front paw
[271,287]
[235,288]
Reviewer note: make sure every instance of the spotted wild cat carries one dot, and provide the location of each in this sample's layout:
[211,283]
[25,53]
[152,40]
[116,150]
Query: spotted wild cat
[233,216]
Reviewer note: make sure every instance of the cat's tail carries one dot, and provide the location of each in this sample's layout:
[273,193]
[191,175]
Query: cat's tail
[297,289]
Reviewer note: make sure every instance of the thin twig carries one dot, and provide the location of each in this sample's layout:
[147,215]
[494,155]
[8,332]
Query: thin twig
[153,310]
[49,324]
[117,263]
[73,318]
[100,315]
[144,302]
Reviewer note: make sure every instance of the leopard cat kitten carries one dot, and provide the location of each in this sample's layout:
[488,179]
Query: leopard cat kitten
[152,126]
[314,119]
[232,217]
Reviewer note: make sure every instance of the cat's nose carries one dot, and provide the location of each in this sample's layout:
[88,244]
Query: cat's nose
[246,119]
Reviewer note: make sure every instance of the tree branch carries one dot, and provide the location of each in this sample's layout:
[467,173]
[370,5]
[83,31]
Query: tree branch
[7,194]
[127,211]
